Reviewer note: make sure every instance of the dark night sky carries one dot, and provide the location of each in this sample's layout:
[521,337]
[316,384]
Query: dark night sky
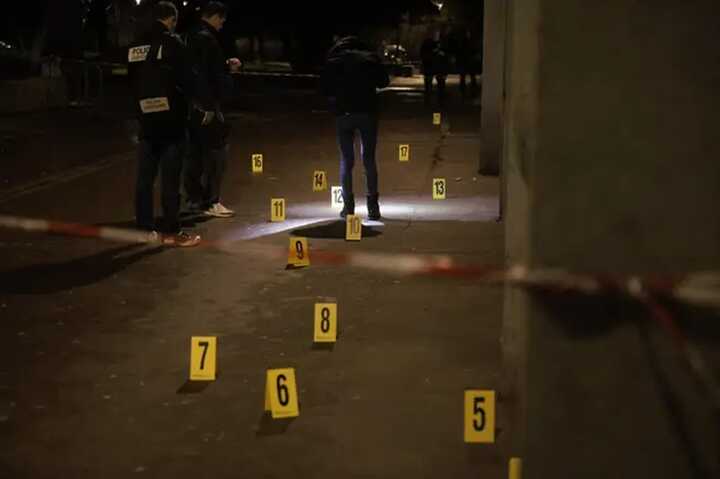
[25,14]
[313,22]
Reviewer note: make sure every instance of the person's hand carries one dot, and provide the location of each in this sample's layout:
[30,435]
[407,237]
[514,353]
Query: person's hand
[234,63]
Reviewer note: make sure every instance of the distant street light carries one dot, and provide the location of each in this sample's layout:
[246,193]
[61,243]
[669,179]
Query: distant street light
[438,4]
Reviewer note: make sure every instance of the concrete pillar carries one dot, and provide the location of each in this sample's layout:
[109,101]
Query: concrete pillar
[612,164]
[494,32]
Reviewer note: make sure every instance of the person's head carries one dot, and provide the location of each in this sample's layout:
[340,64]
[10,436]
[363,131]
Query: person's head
[167,14]
[215,14]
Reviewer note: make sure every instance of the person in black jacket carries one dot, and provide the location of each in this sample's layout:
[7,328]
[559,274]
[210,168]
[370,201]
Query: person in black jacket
[435,64]
[159,74]
[212,84]
[351,77]
[467,61]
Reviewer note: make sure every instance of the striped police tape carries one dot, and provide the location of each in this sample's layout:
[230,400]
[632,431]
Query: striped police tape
[697,288]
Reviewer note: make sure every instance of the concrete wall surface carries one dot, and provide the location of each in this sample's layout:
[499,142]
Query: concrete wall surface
[494,32]
[612,163]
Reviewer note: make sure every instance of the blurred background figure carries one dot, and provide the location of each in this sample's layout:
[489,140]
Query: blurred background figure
[467,61]
[435,64]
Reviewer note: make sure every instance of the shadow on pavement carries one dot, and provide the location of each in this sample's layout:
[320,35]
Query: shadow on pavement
[55,277]
[267,426]
[323,346]
[187,220]
[334,230]
[193,387]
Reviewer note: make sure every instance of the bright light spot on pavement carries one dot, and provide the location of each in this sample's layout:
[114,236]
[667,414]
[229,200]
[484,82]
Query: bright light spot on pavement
[411,208]
[259,230]
[393,208]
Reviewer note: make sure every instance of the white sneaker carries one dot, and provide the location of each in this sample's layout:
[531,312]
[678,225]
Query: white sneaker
[219,211]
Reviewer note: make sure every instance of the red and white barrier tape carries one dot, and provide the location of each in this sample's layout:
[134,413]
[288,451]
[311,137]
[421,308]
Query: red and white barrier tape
[699,288]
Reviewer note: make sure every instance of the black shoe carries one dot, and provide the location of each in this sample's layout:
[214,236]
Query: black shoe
[348,209]
[348,206]
[373,208]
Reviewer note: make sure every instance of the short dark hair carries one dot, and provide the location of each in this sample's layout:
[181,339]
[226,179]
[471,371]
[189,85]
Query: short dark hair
[164,10]
[214,8]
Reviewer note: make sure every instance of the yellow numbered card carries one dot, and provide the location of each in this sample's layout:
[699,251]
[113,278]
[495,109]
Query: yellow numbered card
[281,397]
[353,228]
[319,181]
[336,198]
[439,188]
[299,252]
[277,209]
[436,118]
[257,163]
[404,152]
[515,468]
[479,415]
[325,323]
[203,350]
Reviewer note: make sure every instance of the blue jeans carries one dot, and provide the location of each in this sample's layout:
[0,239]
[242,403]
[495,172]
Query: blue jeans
[367,125]
[166,157]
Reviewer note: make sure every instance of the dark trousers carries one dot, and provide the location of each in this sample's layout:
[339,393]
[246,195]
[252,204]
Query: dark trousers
[165,156]
[206,162]
[440,79]
[367,125]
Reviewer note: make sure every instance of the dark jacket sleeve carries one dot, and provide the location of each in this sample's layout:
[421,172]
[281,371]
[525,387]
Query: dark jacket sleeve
[211,82]
[383,79]
[177,57]
[329,79]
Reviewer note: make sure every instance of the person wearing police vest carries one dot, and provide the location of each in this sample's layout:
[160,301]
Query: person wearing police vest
[208,128]
[159,76]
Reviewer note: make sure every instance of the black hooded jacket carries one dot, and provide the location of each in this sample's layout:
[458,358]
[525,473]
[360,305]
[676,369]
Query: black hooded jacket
[159,77]
[351,77]
[212,83]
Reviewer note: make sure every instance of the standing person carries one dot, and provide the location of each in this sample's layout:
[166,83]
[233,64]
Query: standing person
[351,77]
[435,65]
[209,131]
[159,77]
[466,61]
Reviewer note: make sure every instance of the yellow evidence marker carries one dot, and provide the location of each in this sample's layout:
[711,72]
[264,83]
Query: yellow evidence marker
[515,468]
[325,323]
[203,351]
[436,118]
[281,393]
[479,416]
[257,163]
[336,198]
[319,181]
[439,189]
[353,228]
[299,252]
[277,210]
[404,152]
